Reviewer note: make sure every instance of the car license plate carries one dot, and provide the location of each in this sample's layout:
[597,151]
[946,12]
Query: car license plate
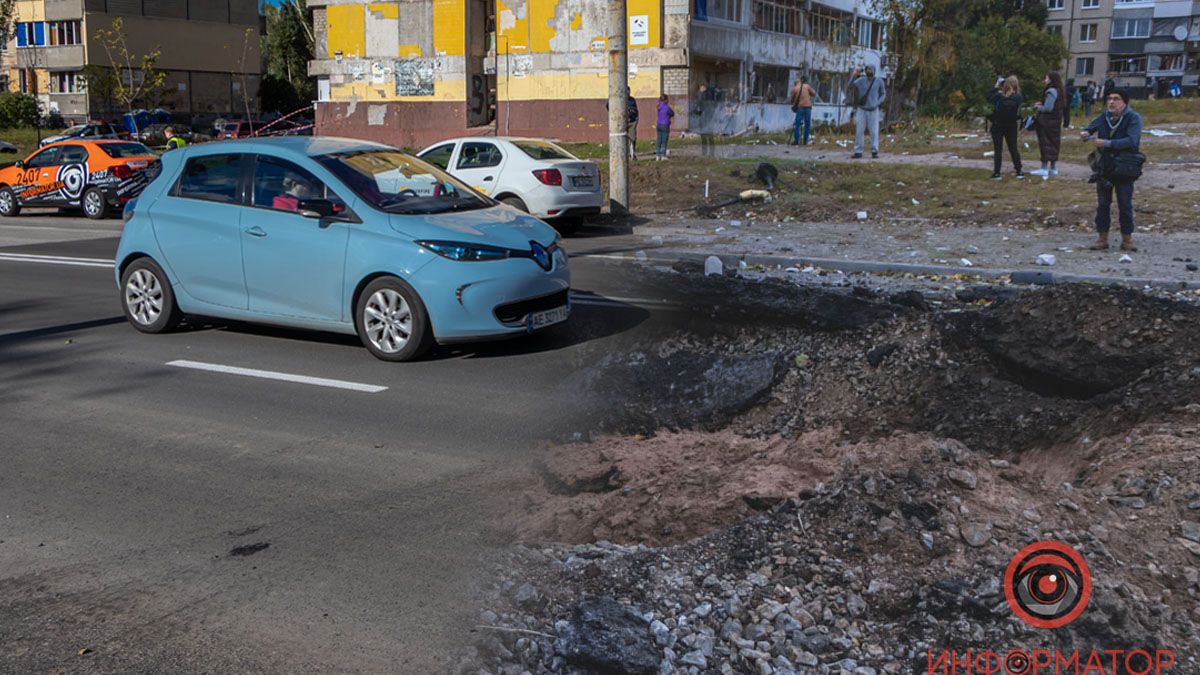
[548,318]
[582,181]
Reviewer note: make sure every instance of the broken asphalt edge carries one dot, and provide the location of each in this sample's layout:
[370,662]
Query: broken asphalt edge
[1035,277]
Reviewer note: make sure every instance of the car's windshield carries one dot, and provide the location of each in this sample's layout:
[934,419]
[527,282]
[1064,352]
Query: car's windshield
[395,182]
[75,130]
[542,150]
[119,150]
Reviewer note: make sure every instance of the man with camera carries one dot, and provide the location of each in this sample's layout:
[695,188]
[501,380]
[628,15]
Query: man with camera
[1117,134]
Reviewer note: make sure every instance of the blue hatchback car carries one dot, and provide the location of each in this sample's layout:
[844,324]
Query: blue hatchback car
[338,235]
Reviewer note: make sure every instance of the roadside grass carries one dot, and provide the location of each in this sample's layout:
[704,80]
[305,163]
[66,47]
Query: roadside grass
[921,195]
[26,141]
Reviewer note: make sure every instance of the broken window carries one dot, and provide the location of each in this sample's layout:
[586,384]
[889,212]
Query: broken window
[771,84]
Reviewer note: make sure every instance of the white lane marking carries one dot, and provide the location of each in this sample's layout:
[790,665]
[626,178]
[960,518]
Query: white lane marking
[273,375]
[56,260]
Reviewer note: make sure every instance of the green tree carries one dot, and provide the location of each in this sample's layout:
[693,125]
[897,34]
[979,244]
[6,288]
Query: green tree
[996,46]
[289,47]
[101,82]
[138,80]
[18,110]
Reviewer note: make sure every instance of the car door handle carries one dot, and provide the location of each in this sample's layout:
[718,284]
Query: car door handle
[487,179]
[255,231]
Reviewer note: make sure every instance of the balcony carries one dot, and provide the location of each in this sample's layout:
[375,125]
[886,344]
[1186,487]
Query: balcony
[63,9]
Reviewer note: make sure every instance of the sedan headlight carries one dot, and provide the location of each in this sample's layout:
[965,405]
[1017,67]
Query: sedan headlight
[465,252]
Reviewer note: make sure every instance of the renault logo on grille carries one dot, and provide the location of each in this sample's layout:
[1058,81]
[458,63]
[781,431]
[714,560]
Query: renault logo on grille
[540,255]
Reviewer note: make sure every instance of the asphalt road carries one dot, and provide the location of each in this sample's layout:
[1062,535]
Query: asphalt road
[155,518]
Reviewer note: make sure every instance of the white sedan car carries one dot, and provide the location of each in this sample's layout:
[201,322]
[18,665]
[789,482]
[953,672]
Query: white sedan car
[533,175]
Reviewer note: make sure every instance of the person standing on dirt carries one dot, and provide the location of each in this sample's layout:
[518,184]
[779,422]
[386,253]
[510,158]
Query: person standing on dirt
[1117,131]
[1050,124]
[663,127]
[1006,100]
[869,93]
[1110,85]
[802,104]
[1090,93]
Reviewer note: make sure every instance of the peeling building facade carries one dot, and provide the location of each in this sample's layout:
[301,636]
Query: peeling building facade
[411,72]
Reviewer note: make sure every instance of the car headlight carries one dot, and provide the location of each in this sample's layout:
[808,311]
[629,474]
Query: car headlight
[465,252]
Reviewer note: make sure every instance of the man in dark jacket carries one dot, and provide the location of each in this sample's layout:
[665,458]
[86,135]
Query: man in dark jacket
[1117,130]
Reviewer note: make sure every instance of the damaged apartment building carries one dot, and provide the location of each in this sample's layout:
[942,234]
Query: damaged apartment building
[411,72]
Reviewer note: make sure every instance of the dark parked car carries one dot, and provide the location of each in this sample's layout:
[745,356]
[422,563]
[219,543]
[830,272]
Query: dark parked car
[154,135]
[89,132]
[241,129]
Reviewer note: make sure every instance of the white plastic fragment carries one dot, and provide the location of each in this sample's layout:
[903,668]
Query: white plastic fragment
[861,215]
[1125,259]
[915,202]
[1047,259]
[713,266]
[965,263]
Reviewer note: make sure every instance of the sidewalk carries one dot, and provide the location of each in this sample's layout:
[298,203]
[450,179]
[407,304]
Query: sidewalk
[981,251]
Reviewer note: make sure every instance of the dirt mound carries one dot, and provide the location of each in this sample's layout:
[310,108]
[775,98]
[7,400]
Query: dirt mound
[889,561]
[677,486]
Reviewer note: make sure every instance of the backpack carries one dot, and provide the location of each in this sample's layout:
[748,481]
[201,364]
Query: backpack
[1006,111]
[631,111]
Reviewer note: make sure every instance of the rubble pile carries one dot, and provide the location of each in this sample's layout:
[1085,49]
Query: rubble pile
[856,514]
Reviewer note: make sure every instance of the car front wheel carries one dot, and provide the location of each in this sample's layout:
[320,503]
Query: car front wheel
[147,298]
[392,322]
[9,206]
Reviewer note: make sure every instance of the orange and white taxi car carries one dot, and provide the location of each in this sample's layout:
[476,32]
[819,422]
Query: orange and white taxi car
[94,176]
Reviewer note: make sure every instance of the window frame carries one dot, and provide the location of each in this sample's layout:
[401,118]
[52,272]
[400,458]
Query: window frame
[246,160]
[1050,5]
[1094,4]
[458,165]
[452,145]
[1125,23]
[1083,32]
[348,216]
[1091,65]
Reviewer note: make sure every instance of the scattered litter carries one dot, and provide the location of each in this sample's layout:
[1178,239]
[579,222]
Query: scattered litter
[1047,259]
[770,142]
[914,254]
[972,249]
[735,223]
[657,240]
[801,360]
[1159,133]
[953,157]
[792,270]
[713,266]
[915,202]
[742,264]
[640,256]
[1026,146]
[965,263]
[861,215]
[809,270]
[84,651]
[843,144]
[719,229]
[749,195]
[706,189]
[965,136]
[990,153]
[1125,259]
[940,136]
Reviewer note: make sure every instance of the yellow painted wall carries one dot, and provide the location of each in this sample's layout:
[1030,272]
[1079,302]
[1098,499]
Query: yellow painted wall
[346,27]
[29,10]
[449,27]
[346,33]
[388,10]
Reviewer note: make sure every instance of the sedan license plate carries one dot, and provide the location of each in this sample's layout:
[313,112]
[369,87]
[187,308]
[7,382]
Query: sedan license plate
[548,318]
[582,181]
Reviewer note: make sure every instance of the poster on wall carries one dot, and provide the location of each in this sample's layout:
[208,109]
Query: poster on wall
[639,30]
[414,77]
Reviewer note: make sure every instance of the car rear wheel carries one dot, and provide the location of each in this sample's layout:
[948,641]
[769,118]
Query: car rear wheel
[147,298]
[95,206]
[516,203]
[392,322]
[9,206]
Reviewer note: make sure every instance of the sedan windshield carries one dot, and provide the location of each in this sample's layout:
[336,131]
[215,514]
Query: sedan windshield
[392,181]
[75,130]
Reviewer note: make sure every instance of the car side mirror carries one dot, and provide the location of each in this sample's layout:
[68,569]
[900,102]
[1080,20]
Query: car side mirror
[20,164]
[315,208]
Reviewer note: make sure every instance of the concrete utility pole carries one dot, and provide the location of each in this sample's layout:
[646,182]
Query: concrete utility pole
[618,93]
